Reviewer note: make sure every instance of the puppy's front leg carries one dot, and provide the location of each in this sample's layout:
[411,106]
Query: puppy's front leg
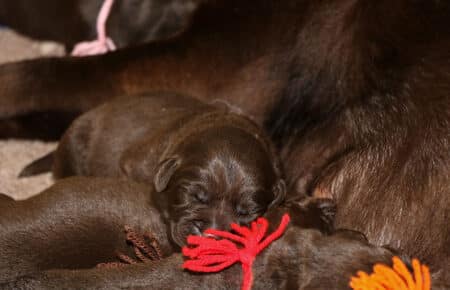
[209,61]
[44,90]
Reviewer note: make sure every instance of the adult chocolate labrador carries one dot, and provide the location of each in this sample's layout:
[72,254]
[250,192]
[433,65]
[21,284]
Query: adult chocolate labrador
[356,94]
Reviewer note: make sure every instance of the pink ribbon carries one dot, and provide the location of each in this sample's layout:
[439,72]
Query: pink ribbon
[103,43]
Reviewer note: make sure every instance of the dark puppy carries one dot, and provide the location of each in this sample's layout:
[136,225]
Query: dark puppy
[300,259]
[131,22]
[209,166]
[79,222]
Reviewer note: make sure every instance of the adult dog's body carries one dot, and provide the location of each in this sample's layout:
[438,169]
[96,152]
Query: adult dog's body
[355,92]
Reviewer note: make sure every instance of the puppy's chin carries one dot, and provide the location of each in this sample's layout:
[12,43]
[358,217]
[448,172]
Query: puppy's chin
[181,230]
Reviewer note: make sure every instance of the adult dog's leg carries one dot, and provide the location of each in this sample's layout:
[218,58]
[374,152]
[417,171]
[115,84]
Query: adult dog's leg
[216,58]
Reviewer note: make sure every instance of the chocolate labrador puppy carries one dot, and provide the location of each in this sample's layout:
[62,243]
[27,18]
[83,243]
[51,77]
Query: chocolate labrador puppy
[208,165]
[79,222]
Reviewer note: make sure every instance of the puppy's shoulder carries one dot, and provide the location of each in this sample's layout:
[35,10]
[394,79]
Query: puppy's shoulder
[99,186]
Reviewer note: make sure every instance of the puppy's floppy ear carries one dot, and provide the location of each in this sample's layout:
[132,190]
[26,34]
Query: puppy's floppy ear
[165,171]
[279,192]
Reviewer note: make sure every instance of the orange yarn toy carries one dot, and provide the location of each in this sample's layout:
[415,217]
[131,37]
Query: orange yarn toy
[396,278]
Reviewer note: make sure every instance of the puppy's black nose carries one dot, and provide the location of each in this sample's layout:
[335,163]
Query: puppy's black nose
[216,226]
[210,236]
[199,227]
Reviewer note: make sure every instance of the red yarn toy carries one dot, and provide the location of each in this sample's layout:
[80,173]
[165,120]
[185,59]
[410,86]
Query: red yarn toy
[210,255]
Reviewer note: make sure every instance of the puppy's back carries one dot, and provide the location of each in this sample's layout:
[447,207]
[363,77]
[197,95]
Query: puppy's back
[96,140]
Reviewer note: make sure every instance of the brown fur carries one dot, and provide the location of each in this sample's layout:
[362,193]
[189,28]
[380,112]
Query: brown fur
[79,222]
[322,262]
[354,92]
[209,166]
[76,223]
[130,22]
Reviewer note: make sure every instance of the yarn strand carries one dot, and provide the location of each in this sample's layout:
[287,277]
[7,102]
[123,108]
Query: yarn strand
[210,255]
[397,277]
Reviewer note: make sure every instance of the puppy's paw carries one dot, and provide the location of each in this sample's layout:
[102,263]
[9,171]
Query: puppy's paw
[313,212]
[326,209]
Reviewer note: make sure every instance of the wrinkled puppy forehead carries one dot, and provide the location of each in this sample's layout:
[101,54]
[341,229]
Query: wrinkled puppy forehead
[231,153]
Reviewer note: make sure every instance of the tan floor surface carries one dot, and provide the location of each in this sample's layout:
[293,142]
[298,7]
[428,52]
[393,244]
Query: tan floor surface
[15,154]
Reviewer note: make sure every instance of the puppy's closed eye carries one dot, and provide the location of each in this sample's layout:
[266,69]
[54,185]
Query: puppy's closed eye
[247,212]
[242,211]
[201,196]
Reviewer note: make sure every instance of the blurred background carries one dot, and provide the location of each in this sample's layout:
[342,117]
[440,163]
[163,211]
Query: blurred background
[65,23]
[14,154]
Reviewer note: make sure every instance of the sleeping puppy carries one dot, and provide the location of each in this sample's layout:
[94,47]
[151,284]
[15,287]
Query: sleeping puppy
[131,22]
[208,166]
[303,258]
[79,222]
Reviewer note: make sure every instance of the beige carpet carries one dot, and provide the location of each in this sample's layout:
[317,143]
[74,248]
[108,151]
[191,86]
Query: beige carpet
[15,154]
